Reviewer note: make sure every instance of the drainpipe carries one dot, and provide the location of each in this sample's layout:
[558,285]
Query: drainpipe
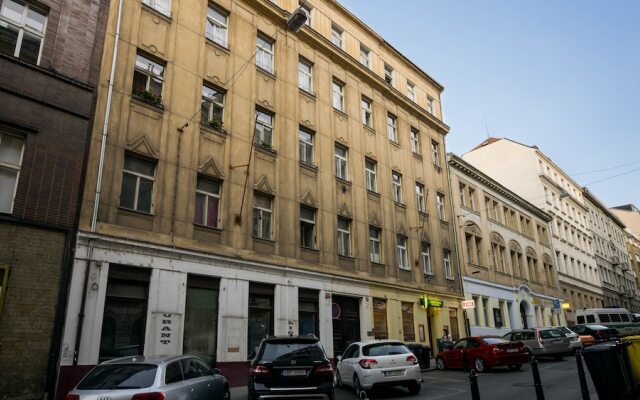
[96,203]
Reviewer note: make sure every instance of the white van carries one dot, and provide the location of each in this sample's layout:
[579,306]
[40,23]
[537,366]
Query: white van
[618,318]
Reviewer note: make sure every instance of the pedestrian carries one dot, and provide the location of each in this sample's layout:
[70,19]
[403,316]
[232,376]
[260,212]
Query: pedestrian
[445,340]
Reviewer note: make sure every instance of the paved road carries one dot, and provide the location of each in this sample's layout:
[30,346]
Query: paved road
[560,380]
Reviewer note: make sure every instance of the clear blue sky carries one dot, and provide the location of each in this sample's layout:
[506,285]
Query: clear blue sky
[562,75]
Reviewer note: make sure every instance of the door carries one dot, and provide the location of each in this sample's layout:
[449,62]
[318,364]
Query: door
[346,322]
[456,354]
[453,323]
[349,358]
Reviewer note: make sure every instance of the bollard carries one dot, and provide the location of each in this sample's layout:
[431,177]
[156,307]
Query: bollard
[583,380]
[536,379]
[473,381]
[363,396]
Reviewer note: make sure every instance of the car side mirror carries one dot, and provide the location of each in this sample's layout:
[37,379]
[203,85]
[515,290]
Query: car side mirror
[339,358]
[216,371]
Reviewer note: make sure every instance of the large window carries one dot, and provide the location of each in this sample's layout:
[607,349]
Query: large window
[201,318]
[207,211]
[415,141]
[435,153]
[426,259]
[125,312]
[337,35]
[407,322]
[305,75]
[305,142]
[440,205]
[420,202]
[11,152]
[392,127]
[308,227]
[212,107]
[337,89]
[365,56]
[262,213]
[370,175]
[431,107]
[148,79]
[411,91]
[380,330]
[344,237]
[375,254]
[446,258]
[264,129]
[217,25]
[341,163]
[264,53]
[396,184]
[401,251]
[22,29]
[260,324]
[366,112]
[389,75]
[138,178]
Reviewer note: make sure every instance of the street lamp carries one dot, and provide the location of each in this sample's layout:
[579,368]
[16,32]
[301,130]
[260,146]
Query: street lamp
[297,20]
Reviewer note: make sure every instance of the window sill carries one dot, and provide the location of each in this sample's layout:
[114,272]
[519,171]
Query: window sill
[417,156]
[394,143]
[450,278]
[437,168]
[369,128]
[312,249]
[129,210]
[400,205]
[423,214]
[347,257]
[340,113]
[377,264]
[148,103]
[263,239]
[310,167]
[307,93]
[343,181]
[206,227]
[219,46]
[269,74]
[220,132]
[372,193]
[407,269]
[155,11]
[443,222]
[266,149]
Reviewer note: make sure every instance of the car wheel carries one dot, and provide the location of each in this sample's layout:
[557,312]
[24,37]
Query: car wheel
[357,387]
[440,364]
[331,396]
[414,388]
[253,396]
[558,358]
[338,382]
[515,367]
[479,365]
[227,394]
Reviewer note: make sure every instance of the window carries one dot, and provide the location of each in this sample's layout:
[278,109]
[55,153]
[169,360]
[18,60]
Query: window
[440,205]
[341,163]
[11,152]
[498,256]
[148,79]
[411,91]
[374,245]
[217,25]
[337,89]
[305,75]
[4,280]
[162,6]
[260,323]
[264,53]
[22,28]
[365,56]
[306,146]
[370,174]
[307,227]
[264,129]
[431,105]
[262,213]
[308,312]
[426,259]
[401,252]
[420,203]
[435,153]
[207,202]
[201,318]
[474,248]
[407,322]
[415,141]
[336,35]
[392,127]
[366,112]
[138,177]
[463,199]
[472,197]
[306,8]
[396,182]
[212,107]
[388,74]
[380,330]
[447,264]
[344,237]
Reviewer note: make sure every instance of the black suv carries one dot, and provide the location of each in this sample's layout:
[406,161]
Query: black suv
[293,366]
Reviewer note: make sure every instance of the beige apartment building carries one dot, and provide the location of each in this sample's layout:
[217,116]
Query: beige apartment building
[506,256]
[245,180]
[630,215]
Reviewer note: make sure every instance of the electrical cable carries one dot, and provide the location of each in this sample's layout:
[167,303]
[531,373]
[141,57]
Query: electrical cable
[606,169]
[611,177]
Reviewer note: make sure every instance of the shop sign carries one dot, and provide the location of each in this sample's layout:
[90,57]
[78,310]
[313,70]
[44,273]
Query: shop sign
[468,304]
[566,305]
[556,304]
[435,303]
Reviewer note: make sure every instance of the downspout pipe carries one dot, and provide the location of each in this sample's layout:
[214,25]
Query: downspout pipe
[94,217]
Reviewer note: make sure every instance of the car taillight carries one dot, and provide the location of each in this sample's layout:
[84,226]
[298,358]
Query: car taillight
[148,396]
[600,332]
[72,397]
[325,369]
[260,371]
[412,359]
[366,363]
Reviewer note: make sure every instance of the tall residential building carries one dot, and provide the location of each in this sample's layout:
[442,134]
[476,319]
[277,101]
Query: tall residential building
[506,256]
[533,176]
[49,60]
[630,215]
[612,257]
[259,181]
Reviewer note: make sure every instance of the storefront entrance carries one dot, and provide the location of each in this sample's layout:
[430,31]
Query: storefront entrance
[345,312]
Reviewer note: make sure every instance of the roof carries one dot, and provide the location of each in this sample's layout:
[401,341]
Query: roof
[627,207]
[159,359]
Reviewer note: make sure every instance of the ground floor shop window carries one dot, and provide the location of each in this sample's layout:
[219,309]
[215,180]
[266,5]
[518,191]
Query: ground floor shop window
[407,322]
[125,312]
[260,316]
[201,318]
[308,319]
[380,319]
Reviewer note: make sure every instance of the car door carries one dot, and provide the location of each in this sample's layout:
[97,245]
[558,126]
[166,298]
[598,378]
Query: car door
[347,365]
[472,351]
[456,354]
[213,387]
[173,381]
[196,378]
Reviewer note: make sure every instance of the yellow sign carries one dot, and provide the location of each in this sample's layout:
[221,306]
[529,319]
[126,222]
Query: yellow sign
[566,305]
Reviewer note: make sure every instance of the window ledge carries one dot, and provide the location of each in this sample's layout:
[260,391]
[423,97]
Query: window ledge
[217,45]
[394,143]
[400,205]
[343,181]
[378,264]
[404,269]
[266,149]
[309,249]
[423,214]
[220,132]
[306,93]
[206,227]
[372,193]
[347,257]
[340,113]
[437,168]
[417,156]
[269,74]
[310,167]
[142,101]
[445,223]
[129,210]
[263,239]
[156,12]
[369,128]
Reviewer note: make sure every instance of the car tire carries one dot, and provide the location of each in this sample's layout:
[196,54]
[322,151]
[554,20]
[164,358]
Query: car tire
[515,367]
[357,387]
[414,388]
[338,379]
[227,394]
[479,365]
[558,358]
[253,396]
[440,364]
[331,396]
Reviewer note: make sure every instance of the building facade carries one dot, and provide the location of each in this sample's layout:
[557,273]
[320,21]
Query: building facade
[48,74]
[612,258]
[630,215]
[506,256]
[245,180]
[532,175]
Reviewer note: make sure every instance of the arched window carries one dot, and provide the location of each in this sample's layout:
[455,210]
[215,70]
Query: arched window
[515,252]
[473,241]
[498,252]
[532,265]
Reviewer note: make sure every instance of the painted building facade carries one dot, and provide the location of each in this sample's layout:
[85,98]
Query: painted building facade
[245,181]
[506,256]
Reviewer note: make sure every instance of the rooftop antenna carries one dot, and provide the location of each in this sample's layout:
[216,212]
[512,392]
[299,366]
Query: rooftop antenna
[486,128]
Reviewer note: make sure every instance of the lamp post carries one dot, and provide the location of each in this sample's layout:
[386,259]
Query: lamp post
[467,327]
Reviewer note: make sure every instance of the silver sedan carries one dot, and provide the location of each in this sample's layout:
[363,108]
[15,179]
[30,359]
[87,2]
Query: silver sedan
[152,378]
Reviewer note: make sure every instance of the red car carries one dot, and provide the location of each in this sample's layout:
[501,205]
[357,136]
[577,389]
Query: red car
[482,353]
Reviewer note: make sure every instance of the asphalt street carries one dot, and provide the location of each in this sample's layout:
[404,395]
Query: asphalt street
[559,379]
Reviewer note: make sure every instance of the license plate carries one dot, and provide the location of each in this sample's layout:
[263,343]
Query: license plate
[294,372]
[512,350]
[394,373]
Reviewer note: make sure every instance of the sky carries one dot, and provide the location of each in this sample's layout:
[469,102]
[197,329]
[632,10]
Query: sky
[561,75]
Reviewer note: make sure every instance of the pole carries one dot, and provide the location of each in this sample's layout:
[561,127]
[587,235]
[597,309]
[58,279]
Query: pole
[584,389]
[536,378]
[473,381]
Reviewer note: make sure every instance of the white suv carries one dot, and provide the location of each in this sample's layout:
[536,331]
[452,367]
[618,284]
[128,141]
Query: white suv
[375,363]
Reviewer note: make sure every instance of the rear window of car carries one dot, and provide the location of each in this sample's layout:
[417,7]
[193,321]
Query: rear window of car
[282,351]
[384,349]
[119,376]
[494,340]
[551,334]
[625,317]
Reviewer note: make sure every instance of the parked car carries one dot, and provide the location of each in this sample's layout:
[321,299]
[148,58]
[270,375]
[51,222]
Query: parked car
[612,317]
[376,363]
[152,378]
[291,367]
[542,341]
[574,338]
[482,353]
[600,333]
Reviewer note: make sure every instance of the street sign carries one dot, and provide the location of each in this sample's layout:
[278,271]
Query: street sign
[556,304]
[435,303]
[468,304]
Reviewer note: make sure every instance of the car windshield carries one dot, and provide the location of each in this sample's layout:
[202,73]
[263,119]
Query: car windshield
[384,349]
[495,340]
[597,327]
[282,351]
[119,376]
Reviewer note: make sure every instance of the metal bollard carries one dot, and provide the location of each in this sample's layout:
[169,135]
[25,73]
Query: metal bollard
[536,379]
[583,379]
[473,381]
